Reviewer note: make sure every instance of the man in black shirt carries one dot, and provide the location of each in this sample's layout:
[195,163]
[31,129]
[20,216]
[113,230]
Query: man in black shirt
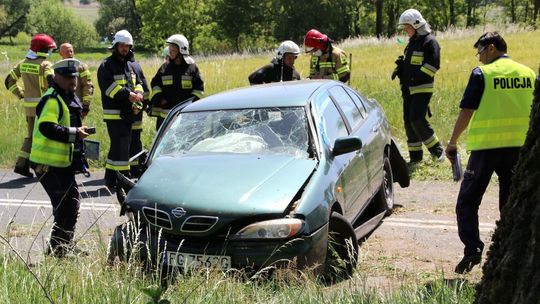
[281,68]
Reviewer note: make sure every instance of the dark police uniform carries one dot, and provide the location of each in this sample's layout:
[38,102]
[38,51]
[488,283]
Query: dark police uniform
[172,84]
[275,71]
[117,78]
[416,74]
[59,114]
[501,95]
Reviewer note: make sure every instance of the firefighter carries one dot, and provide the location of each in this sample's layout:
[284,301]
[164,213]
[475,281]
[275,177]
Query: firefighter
[495,108]
[416,71]
[176,80]
[57,133]
[137,126]
[36,74]
[122,97]
[85,87]
[327,61]
[281,68]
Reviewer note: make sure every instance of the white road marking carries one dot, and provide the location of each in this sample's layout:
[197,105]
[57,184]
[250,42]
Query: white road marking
[85,205]
[431,224]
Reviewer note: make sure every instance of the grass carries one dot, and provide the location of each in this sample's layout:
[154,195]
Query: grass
[372,65]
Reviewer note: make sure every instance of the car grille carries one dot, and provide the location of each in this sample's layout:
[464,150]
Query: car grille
[198,223]
[158,218]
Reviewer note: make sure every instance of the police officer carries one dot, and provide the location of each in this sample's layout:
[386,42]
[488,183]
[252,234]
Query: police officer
[85,87]
[281,68]
[416,71]
[122,97]
[176,80]
[327,61]
[495,106]
[36,74]
[57,133]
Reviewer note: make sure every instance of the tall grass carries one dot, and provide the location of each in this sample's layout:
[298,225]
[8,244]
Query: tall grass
[372,65]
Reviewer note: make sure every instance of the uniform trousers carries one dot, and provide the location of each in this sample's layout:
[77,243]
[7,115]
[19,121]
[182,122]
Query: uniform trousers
[480,168]
[118,157]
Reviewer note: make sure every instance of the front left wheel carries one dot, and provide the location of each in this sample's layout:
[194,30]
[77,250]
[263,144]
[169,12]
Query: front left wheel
[385,196]
[342,250]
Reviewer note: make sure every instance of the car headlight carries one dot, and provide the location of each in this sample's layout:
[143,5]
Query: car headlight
[272,229]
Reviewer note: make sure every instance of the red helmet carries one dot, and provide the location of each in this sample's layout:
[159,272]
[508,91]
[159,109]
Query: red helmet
[42,43]
[315,40]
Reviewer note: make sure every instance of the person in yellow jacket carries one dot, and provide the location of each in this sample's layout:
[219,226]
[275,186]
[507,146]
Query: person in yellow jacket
[327,60]
[58,132]
[495,108]
[85,87]
[36,74]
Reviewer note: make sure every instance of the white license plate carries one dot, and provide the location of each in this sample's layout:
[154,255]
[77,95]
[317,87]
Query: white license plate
[197,261]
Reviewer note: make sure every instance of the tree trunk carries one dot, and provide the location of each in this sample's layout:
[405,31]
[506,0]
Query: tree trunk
[513,11]
[512,269]
[452,14]
[536,9]
[379,21]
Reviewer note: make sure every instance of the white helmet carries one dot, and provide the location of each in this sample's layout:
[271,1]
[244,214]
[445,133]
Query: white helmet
[413,18]
[287,46]
[183,45]
[122,36]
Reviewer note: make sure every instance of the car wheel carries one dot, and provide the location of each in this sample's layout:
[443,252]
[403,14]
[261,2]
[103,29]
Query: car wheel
[117,244]
[385,196]
[342,250]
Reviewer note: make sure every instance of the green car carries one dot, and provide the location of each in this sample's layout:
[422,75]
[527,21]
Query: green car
[268,175]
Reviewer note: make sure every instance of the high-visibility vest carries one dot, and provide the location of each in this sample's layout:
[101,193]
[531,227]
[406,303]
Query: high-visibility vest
[502,118]
[45,150]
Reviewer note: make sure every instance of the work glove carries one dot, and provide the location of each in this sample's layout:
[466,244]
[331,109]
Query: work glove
[397,70]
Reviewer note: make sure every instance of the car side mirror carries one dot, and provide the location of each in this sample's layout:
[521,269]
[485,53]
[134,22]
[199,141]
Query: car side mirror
[347,144]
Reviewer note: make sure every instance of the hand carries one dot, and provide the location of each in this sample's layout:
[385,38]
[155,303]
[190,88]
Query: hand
[141,96]
[451,151]
[134,97]
[394,73]
[81,132]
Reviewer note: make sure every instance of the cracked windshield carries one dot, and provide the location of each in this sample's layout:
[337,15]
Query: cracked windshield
[250,131]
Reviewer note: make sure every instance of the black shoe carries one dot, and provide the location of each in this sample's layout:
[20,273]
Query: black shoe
[413,166]
[468,262]
[25,172]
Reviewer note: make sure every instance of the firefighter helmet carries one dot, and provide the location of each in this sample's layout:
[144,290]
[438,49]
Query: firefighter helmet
[42,43]
[413,18]
[183,46]
[122,36]
[287,46]
[315,40]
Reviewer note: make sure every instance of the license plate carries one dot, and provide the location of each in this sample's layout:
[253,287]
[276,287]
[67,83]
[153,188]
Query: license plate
[197,261]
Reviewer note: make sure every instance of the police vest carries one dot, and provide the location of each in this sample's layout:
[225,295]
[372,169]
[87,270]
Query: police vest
[502,118]
[47,151]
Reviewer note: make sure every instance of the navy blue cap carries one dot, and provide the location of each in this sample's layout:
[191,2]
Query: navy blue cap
[67,67]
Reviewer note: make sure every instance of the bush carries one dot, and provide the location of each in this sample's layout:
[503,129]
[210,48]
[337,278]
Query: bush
[52,18]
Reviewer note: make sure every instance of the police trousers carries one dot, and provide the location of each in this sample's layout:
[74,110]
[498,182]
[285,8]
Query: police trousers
[61,187]
[417,128]
[476,178]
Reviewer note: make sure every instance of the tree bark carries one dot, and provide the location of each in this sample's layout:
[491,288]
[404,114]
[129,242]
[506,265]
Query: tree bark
[452,14]
[379,21]
[512,269]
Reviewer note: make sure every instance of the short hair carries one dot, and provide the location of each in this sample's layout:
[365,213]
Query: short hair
[491,38]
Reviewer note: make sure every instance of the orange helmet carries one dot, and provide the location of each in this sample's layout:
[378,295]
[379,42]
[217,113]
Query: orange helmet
[315,40]
[42,43]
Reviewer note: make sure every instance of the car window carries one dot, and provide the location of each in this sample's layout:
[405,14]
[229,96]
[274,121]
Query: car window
[349,108]
[258,131]
[358,101]
[332,124]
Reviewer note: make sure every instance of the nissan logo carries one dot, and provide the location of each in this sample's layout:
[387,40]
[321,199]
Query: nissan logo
[178,212]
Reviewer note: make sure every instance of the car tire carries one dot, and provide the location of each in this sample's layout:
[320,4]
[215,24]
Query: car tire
[342,250]
[385,196]
[117,245]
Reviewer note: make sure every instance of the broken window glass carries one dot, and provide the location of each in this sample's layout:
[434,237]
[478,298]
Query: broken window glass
[254,131]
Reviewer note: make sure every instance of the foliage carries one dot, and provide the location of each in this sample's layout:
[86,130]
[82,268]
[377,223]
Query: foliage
[12,15]
[115,15]
[53,18]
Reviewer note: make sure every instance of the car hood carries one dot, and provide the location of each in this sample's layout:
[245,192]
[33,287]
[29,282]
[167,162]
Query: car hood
[230,185]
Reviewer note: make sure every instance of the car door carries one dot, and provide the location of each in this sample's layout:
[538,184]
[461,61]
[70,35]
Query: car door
[371,129]
[355,177]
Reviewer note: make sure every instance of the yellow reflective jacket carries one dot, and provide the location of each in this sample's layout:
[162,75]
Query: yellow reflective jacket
[333,64]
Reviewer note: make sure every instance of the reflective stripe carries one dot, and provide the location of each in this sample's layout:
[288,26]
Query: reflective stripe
[164,113]
[155,90]
[41,54]
[117,165]
[13,75]
[417,58]
[137,125]
[29,68]
[335,76]
[423,88]
[120,79]
[432,141]
[416,146]
[327,64]
[187,82]
[31,102]
[112,90]
[198,93]
[343,69]
[139,88]
[134,163]
[111,114]
[427,71]
[12,88]
[72,134]
[24,154]
[167,80]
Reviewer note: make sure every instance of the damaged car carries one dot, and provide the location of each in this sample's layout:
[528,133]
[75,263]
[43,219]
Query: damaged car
[268,175]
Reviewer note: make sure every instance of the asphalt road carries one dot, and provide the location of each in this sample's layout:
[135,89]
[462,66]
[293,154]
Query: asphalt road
[421,234]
